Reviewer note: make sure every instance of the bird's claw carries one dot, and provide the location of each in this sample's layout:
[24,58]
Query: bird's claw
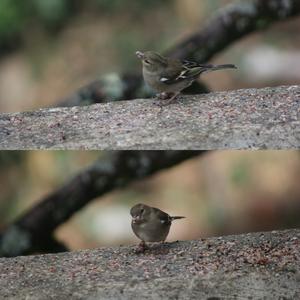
[142,247]
[164,96]
[164,99]
[158,103]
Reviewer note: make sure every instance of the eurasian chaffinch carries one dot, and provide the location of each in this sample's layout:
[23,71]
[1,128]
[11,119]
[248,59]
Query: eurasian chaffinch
[169,76]
[150,224]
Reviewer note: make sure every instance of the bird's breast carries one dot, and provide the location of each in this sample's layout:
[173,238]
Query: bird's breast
[151,231]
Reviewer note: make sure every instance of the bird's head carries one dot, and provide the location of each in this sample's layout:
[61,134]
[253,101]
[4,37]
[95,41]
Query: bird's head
[139,213]
[151,60]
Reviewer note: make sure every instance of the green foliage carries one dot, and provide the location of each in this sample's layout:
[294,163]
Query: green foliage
[135,5]
[11,17]
[9,158]
[17,17]
[240,174]
[109,5]
[51,13]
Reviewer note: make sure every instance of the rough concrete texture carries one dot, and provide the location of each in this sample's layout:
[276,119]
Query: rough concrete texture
[268,118]
[250,266]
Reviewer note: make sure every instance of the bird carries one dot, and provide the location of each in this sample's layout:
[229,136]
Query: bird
[169,76]
[150,224]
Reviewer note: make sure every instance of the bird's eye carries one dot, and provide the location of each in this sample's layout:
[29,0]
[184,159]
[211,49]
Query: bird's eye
[142,211]
[147,62]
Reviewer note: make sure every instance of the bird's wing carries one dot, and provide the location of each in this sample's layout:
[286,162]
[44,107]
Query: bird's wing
[192,64]
[206,67]
[181,70]
[189,64]
[164,218]
[188,70]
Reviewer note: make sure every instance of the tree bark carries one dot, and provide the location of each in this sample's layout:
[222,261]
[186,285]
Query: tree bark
[248,266]
[267,118]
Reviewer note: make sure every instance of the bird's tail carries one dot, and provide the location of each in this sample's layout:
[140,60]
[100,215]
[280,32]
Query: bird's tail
[219,67]
[199,69]
[176,218]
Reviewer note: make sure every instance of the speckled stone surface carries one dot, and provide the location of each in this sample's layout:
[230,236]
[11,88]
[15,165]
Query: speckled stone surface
[266,118]
[250,266]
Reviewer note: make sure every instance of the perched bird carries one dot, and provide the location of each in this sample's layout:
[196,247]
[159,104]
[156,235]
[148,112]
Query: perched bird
[150,224]
[169,76]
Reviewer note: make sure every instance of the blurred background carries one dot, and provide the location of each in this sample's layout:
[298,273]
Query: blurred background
[50,48]
[222,192]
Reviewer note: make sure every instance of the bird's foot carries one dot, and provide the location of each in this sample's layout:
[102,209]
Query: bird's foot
[160,98]
[158,102]
[142,247]
[164,96]
[170,100]
[164,99]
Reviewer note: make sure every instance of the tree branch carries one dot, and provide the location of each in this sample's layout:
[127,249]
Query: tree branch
[242,119]
[247,266]
[232,23]
[115,171]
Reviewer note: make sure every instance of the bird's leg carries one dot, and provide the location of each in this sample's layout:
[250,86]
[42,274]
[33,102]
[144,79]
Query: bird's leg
[167,102]
[162,96]
[142,247]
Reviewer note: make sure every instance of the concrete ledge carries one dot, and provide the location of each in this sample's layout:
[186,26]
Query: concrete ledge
[266,118]
[249,266]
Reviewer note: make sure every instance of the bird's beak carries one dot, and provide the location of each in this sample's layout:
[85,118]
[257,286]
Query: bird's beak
[140,54]
[136,219]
